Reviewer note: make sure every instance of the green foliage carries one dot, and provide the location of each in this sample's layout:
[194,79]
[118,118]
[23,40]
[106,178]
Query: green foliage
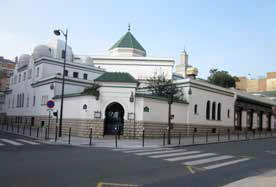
[222,78]
[92,90]
[162,87]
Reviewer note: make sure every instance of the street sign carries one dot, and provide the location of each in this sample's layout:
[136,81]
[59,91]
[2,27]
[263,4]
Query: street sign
[50,104]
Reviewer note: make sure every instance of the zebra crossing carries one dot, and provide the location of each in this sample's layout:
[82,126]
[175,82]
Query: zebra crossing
[192,158]
[16,142]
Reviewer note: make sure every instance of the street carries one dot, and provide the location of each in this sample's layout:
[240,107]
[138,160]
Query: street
[27,162]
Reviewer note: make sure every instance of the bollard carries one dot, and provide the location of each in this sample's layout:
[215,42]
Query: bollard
[37,132]
[228,133]
[179,138]
[12,127]
[7,127]
[193,137]
[164,138]
[69,139]
[45,133]
[270,132]
[259,133]
[265,132]
[238,135]
[90,137]
[56,132]
[30,130]
[218,137]
[254,133]
[116,138]
[245,134]
[143,138]
[18,128]
[24,129]
[206,137]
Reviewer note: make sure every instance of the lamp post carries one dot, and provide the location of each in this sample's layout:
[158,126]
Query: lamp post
[58,32]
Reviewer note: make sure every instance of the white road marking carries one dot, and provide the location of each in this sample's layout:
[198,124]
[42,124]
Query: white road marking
[190,157]
[1,144]
[124,149]
[11,142]
[159,152]
[27,141]
[145,150]
[226,163]
[207,160]
[175,154]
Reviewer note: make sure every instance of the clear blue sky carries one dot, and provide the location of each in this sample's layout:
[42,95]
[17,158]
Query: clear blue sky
[234,35]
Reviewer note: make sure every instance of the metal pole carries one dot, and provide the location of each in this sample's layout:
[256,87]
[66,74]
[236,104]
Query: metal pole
[238,135]
[90,137]
[49,123]
[37,132]
[143,138]
[45,133]
[24,129]
[179,138]
[169,120]
[218,137]
[206,137]
[56,133]
[62,88]
[116,143]
[30,130]
[228,135]
[193,137]
[17,128]
[12,127]
[164,138]
[69,140]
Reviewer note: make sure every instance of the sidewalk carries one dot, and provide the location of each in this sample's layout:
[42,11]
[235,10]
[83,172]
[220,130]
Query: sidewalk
[265,180]
[110,142]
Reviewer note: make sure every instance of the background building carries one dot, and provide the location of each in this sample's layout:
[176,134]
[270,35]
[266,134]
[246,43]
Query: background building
[258,85]
[6,69]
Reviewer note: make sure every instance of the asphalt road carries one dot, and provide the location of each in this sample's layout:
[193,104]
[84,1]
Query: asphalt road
[42,165]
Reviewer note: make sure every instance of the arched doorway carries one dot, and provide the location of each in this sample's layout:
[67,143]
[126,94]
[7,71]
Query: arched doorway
[114,118]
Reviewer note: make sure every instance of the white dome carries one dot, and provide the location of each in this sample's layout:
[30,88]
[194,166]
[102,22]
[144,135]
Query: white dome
[42,51]
[58,47]
[24,60]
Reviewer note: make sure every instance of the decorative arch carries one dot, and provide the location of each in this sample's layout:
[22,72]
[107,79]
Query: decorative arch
[114,118]
[219,112]
[208,110]
[214,111]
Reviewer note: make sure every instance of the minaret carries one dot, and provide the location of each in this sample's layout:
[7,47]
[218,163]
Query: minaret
[182,67]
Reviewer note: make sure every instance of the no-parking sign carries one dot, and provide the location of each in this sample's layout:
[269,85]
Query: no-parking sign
[50,104]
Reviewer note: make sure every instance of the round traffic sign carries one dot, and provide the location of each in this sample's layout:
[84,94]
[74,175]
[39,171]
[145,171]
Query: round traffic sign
[50,104]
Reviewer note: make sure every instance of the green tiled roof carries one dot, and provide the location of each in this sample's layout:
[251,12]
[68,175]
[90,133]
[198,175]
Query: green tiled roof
[128,41]
[116,77]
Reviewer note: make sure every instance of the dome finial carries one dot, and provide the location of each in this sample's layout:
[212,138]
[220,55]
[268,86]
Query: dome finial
[128,27]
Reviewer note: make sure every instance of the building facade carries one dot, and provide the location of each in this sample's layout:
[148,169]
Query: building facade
[118,100]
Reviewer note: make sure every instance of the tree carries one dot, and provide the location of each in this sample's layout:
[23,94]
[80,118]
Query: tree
[92,90]
[162,87]
[222,78]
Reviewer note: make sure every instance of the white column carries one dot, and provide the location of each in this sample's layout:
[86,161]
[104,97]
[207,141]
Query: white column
[244,119]
[255,120]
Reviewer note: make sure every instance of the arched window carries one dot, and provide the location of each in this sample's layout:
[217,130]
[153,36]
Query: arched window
[214,111]
[195,109]
[219,112]
[208,110]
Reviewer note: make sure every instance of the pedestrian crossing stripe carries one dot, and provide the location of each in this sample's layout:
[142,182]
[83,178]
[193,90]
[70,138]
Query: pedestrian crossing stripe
[146,150]
[175,154]
[225,164]
[11,142]
[190,157]
[28,142]
[159,152]
[207,160]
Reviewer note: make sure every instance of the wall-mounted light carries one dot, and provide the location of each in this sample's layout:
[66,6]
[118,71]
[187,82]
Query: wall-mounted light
[190,91]
[97,95]
[131,99]
[52,86]
[97,114]
[84,107]
[130,116]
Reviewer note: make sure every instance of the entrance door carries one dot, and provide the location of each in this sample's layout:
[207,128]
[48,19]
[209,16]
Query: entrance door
[114,119]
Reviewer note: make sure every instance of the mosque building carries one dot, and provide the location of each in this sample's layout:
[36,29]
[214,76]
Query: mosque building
[121,100]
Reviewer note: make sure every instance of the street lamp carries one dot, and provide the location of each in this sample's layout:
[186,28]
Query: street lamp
[58,32]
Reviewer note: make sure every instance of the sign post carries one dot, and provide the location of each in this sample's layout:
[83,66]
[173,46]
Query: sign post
[50,105]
